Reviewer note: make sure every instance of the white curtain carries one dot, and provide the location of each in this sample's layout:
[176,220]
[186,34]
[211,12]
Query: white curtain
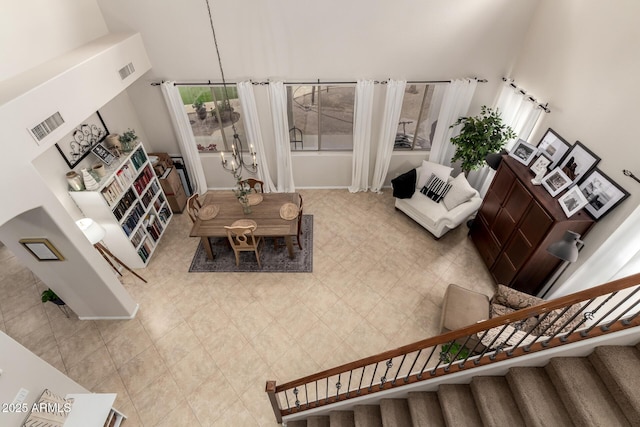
[278,101]
[362,113]
[187,142]
[517,111]
[455,104]
[392,109]
[254,136]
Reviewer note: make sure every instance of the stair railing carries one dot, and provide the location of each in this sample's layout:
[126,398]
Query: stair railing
[597,311]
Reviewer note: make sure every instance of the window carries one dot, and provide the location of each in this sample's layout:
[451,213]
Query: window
[320,117]
[418,118]
[210,116]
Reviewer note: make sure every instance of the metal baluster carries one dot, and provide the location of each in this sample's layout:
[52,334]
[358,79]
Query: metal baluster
[484,334]
[361,377]
[406,379]
[373,376]
[349,384]
[433,350]
[498,348]
[592,315]
[295,393]
[564,325]
[338,385]
[404,356]
[383,379]
[306,395]
[317,395]
[287,398]
[628,320]
[326,396]
[442,358]
[462,347]
[606,328]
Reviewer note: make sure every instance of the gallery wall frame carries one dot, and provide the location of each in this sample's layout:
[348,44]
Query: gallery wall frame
[523,152]
[77,144]
[556,181]
[572,201]
[553,146]
[42,249]
[578,162]
[602,193]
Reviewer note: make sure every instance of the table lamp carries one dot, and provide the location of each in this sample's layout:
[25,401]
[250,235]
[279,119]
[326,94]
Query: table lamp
[567,250]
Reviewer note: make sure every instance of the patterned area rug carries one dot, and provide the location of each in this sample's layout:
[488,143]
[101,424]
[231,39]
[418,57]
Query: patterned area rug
[272,260]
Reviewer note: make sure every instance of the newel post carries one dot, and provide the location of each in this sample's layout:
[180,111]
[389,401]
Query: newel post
[271,391]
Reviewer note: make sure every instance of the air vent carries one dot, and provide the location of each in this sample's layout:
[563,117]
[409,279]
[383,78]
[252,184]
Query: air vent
[126,71]
[41,130]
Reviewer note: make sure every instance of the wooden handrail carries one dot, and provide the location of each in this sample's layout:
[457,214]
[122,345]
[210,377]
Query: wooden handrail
[560,303]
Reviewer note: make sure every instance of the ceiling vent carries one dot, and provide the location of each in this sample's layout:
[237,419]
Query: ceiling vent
[126,71]
[41,130]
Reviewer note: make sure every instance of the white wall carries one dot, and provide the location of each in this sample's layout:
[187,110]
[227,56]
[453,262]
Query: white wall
[582,57]
[331,40]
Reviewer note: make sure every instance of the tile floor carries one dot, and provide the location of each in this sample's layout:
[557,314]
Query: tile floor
[203,344]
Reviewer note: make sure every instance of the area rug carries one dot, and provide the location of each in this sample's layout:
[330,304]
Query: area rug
[272,260]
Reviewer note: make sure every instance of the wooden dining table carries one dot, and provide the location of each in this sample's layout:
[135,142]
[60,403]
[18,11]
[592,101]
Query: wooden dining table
[266,214]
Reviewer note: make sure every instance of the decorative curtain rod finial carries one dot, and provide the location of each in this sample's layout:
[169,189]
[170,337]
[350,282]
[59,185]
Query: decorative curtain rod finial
[627,172]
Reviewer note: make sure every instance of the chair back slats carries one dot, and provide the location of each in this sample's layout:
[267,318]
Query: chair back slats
[193,206]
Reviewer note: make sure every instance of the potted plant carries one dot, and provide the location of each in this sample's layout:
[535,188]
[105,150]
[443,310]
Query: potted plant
[199,107]
[49,295]
[479,136]
[128,140]
[241,191]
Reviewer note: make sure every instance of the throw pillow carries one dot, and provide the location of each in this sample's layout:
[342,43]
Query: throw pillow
[514,299]
[435,188]
[404,185]
[428,168]
[461,191]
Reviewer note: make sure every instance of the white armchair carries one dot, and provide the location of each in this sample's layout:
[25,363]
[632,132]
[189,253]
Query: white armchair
[436,217]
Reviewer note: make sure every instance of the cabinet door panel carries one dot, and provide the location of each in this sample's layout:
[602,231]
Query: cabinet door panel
[490,207]
[519,249]
[535,224]
[484,241]
[518,201]
[503,227]
[503,270]
[502,183]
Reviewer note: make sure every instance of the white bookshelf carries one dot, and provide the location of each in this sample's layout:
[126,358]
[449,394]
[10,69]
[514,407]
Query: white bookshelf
[131,206]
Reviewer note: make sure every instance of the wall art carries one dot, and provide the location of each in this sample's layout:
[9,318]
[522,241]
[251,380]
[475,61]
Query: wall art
[76,145]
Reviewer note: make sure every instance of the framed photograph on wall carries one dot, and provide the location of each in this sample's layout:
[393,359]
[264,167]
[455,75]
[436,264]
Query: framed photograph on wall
[572,201]
[77,144]
[523,152]
[602,194]
[556,181]
[553,146]
[541,164]
[42,249]
[578,161]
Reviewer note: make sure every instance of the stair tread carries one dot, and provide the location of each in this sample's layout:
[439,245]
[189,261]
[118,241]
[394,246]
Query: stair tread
[395,413]
[425,410]
[318,421]
[537,398]
[619,368]
[341,419]
[367,416]
[583,392]
[458,405]
[495,401]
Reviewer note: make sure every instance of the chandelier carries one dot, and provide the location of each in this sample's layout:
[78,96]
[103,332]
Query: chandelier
[237,162]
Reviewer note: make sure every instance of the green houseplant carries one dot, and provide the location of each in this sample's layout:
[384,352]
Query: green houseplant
[128,140]
[200,108]
[49,295]
[480,135]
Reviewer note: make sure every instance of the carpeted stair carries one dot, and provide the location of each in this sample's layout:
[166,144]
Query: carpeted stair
[598,390]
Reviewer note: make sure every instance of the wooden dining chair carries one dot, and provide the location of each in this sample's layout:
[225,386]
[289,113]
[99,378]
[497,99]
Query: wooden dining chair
[254,184]
[299,219]
[242,239]
[193,206]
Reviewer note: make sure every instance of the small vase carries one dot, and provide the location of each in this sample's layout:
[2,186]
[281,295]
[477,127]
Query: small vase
[113,141]
[90,182]
[246,208]
[75,181]
[99,169]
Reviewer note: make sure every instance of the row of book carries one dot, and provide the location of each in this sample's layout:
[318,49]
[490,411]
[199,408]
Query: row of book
[121,180]
[138,158]
[124,204]
[159,202]
[138,237]
[151,192]
[143,179]
[145,250]
[133,219]
[154,227]
[165,214]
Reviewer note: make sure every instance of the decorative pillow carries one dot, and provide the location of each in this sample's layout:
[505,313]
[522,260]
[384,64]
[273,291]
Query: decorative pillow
[514,299]
[428,168]
[552,329]
[404,185]
[435,188]
[461,191]
[508,338]
[50,410]
[497,310]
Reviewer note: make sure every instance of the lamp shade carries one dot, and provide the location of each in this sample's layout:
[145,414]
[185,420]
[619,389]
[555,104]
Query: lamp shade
[567,248]
[93,231]
[494,159]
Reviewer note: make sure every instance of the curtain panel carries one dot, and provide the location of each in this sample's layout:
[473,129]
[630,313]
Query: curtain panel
[362,114]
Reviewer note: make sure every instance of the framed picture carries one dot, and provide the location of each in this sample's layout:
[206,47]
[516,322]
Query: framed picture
[42,249]
[553,146]
[103,153]
[556,181]
[602,194]
[572,201]
[523,152]
[77,144]
[578,161]
[541,164]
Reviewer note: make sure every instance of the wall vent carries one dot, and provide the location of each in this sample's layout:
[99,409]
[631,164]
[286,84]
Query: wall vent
[41,130]
[126,71]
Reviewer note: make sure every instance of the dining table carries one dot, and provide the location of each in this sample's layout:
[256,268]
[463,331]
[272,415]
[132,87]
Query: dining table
[265,213]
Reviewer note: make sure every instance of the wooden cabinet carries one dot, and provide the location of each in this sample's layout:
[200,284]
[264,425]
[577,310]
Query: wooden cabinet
[131,206]
[173,188]
[516,223]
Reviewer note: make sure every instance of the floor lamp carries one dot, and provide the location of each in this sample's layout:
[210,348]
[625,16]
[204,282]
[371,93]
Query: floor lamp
[94,232]
[567,250]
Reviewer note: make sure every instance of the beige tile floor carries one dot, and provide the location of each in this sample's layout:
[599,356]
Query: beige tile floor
[203,344]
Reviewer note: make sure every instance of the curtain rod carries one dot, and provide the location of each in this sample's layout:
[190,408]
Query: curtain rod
[319,82]
[544,107]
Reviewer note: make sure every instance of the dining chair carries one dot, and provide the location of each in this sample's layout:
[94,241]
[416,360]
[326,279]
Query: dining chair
[254,184]
[193,206]
[242,239]
[299,219]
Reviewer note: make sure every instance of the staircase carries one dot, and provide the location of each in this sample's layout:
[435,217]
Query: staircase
[598,390]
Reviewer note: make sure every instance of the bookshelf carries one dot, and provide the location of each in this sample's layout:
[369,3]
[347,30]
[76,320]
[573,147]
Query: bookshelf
[131,206]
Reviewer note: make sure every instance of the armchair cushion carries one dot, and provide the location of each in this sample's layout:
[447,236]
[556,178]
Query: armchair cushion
[428,168]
